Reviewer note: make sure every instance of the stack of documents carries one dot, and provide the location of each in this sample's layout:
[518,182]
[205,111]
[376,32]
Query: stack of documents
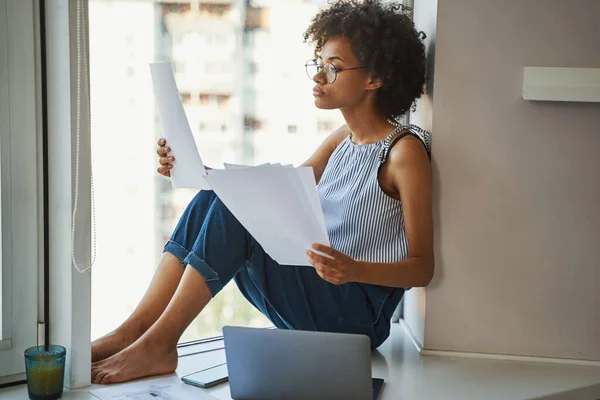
[278,205]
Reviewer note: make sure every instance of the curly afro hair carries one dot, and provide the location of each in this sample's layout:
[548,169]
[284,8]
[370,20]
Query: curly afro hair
[384,40]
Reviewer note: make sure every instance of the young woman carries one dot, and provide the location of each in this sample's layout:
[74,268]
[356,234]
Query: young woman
[374,182]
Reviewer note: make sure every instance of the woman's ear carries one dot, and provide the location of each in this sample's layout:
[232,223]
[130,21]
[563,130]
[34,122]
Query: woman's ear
[374,83]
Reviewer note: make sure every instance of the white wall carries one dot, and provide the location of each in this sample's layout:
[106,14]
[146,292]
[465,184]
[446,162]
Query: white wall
[517,196]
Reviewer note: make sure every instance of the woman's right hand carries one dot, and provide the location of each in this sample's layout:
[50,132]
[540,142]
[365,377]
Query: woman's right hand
[165,161]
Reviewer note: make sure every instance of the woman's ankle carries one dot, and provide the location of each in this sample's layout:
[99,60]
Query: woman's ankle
[131,329]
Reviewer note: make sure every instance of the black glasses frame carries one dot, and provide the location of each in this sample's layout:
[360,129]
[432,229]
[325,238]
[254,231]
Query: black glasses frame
[314,63]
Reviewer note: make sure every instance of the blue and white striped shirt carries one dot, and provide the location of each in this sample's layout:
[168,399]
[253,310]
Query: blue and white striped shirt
[361,220]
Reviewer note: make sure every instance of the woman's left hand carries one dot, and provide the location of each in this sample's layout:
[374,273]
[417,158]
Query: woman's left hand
[337,270]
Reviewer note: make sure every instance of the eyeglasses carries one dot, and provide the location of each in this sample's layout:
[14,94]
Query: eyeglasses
[313,68]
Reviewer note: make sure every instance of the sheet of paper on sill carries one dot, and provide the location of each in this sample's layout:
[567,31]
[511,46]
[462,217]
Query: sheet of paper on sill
[171,388]
[278,204]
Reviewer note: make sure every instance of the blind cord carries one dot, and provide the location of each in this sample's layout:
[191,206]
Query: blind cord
[82,79]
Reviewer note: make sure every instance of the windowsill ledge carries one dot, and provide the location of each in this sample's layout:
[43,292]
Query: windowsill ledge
[410,376]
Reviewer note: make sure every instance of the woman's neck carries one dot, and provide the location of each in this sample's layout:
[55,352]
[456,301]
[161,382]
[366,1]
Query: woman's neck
[367,126]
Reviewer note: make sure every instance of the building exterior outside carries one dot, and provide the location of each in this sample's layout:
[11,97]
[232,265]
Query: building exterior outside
[239,67]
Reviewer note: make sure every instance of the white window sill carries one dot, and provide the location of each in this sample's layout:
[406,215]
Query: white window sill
[410,376]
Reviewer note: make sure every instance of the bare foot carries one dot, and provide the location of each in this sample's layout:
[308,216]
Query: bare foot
[114,342]
[136,361]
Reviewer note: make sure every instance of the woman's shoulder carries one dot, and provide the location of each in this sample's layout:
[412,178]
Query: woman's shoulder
[411,144]
[339,135]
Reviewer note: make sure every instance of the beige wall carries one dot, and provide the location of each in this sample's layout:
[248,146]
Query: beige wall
[517,183]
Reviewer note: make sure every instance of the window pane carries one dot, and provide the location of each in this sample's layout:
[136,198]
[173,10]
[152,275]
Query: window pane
[240,72]
[4,150]
[19,219]
[4,132]
[1,272]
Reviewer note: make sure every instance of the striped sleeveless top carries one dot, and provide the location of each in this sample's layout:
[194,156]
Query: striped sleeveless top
[361,220]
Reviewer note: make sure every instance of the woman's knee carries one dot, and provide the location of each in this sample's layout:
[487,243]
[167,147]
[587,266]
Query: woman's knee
[220,214]
[207,201]
[203,199]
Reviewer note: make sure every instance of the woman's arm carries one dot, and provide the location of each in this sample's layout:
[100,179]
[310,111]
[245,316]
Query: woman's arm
[318,160]
[320,157]
[410,171]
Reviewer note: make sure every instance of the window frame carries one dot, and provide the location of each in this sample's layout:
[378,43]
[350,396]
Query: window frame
[69,292]
[21,166]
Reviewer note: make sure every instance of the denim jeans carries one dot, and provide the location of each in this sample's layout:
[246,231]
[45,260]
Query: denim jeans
[212,241]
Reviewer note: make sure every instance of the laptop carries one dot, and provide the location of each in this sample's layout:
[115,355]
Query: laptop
[286,364]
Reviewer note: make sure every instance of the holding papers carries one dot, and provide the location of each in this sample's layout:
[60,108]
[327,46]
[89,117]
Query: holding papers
[278,205]
[176,130]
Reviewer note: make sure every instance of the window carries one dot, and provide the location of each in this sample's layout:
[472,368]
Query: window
[128,193]
[181,7]
[325,126]
[253,67]
[215,10]
[186,98]
[223,100]
[251,123]
[21,186]
[257,18]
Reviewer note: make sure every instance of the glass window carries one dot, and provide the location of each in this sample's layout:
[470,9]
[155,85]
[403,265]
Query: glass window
[20,195]
[253,67]
[4,136]
[223,100]
[186,98]
[235,114]
[325,126]
[2,302]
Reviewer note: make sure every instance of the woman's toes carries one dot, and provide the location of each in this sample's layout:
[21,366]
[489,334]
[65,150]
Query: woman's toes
[106,379]
[133,363]
[100,376]
[96,368]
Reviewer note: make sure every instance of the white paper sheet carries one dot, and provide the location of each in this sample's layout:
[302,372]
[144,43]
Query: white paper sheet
[156,389]
[235,166]
[278,204]
[240,166]
[307,177]
[273,205]
[188,170]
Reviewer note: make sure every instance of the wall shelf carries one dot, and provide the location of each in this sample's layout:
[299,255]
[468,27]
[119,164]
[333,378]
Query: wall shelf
[561,84]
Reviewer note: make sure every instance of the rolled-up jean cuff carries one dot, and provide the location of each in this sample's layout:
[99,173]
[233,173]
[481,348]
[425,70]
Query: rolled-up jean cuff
[177,250]
[208,273]
[188,258]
